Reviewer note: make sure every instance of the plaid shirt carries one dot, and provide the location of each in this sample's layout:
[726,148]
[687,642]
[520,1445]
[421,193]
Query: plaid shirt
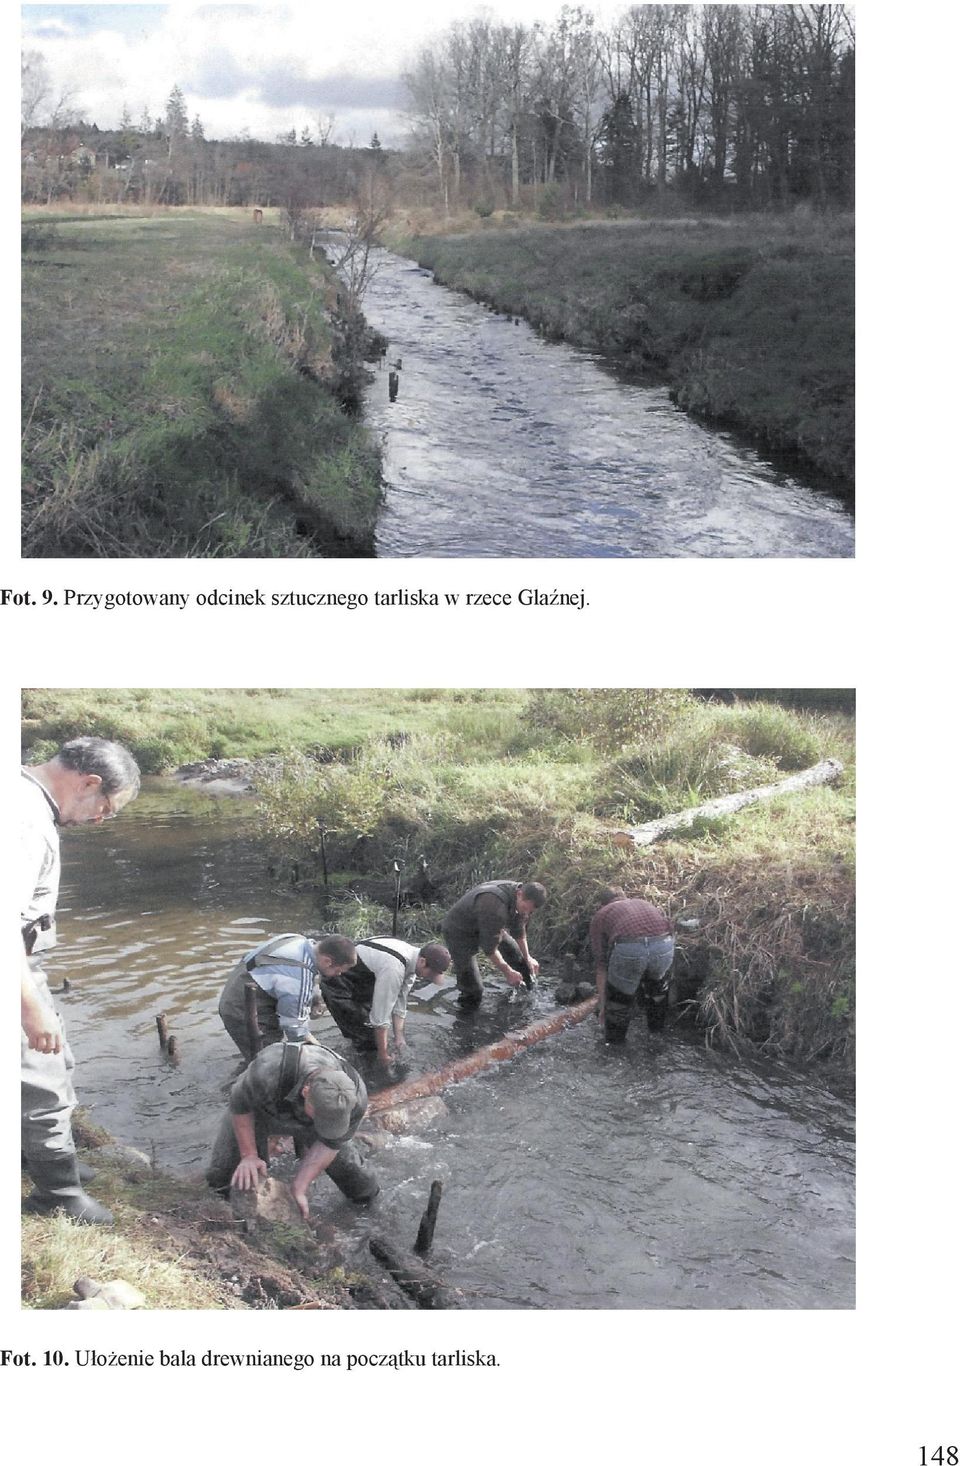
[622,919]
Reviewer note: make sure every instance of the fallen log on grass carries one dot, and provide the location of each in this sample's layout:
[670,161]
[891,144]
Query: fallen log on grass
[458,1069]
[826,772]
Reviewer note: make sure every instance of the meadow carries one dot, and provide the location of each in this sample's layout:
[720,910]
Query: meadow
[184,389]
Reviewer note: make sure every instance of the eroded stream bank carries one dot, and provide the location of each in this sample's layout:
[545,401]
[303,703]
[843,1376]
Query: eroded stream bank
[657,1176]
[502,443]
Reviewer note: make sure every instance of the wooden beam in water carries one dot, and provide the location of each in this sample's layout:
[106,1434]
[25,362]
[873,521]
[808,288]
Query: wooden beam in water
[496,1053]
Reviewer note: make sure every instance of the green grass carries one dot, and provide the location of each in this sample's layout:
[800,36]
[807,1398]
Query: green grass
[180,395]
[165,728]
[174,1242]
[750,320]
[502,782]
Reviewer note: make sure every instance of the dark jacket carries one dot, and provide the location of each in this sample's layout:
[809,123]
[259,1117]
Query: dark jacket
[262,1089]
[474,924]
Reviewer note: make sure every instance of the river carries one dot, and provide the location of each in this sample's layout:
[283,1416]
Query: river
[659,1175]
[503,444]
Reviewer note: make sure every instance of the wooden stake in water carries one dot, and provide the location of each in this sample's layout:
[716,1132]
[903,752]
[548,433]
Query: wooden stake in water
[396,896]
[254,1035]
[428,1221]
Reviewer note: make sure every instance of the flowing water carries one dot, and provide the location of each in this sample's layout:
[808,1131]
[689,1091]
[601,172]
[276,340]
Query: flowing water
[503,444]
[659,1175]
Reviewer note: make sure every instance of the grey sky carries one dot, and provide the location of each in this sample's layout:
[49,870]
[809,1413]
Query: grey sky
[260,69]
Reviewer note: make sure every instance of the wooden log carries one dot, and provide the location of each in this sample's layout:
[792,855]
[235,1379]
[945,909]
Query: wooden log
[163,1033]
[173,1050]
[393,386]
[566,990]
[458,1069]
[428,1221]
[254,1036]
[826,772]
[413,1277]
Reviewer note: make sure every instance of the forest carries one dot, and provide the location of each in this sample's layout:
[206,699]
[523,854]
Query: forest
[726,106]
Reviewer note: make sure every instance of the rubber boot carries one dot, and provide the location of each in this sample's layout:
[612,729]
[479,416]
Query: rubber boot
[56,1177]
[353,1176]
[656,1012]
[615,1024]
[85,1172]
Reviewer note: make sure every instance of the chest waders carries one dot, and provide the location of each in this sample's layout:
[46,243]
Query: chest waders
[461,931]
[247,1011]
[348,1170]
[349,997]
[47,1101]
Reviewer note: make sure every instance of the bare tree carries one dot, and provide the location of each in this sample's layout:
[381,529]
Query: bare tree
[326,123]
[356,261]
[40,104]
[429,94]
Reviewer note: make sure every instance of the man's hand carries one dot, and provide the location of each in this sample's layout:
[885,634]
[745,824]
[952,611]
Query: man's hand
[534,966]
[300,1197]
[247,1175]
[43,1031]
[515,979]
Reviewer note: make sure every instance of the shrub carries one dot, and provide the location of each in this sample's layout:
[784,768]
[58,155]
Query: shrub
[608,717]
[550,204]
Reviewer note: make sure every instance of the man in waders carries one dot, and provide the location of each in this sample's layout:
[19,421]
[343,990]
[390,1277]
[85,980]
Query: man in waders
[492,919]
[632,943]
[87,781]
[279,977]
[370,998]
[306,1091]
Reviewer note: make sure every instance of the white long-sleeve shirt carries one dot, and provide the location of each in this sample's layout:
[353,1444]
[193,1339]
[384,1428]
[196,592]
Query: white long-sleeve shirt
[393,981]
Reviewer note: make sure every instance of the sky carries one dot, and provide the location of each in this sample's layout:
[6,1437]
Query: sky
[259,69]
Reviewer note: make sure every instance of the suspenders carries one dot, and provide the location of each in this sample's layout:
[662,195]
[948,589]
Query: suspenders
[378,947]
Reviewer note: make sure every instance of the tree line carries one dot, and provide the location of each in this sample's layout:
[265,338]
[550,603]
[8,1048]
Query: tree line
[168,159]
[752,104]
[729,106]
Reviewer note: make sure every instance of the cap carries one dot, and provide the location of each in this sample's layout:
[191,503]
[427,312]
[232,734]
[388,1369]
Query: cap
[333,1097]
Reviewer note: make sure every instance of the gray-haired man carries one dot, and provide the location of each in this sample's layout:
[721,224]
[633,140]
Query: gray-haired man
[87,781]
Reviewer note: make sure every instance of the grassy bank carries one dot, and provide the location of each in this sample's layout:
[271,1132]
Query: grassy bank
[534,791]
[505,782]
[177,1244]
[751,321]
[167,727]
[183,382]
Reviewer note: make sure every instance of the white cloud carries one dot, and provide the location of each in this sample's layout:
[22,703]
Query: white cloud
[221,54]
